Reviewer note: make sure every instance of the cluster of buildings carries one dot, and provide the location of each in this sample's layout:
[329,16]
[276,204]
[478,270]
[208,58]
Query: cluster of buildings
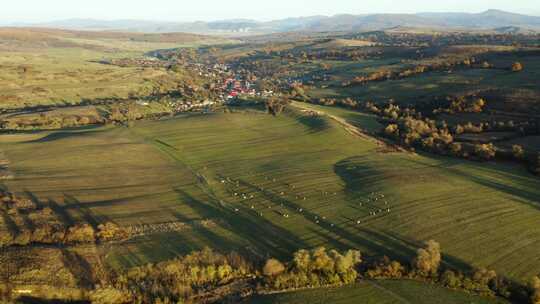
[233,87]
[230,83]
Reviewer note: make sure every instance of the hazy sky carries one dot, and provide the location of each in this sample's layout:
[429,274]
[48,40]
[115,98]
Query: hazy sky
[192,10]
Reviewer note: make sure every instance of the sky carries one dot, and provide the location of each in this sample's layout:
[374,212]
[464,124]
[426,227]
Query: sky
[264,10]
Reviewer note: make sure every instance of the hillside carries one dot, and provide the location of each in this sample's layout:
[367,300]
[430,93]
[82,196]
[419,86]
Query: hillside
[17,38]
[486,20]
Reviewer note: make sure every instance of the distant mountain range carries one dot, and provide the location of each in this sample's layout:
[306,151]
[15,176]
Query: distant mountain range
[488,20]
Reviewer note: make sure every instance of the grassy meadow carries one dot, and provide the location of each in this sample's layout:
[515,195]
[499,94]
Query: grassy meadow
[272,185]
[40,67]
[373,292]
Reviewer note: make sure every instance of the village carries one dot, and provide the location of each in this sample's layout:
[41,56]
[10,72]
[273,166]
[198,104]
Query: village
[226,83]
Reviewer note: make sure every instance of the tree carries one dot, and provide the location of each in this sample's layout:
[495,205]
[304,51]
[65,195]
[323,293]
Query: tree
[275,105]
[273,268]
[450,279]
[484,279]
[428,259]
[80,234]
[517,67]
[110,232]
[518,152]
[456,148]
[321,261]
[485,151]
[477,105]
[486,65]
[302,260]
[391,129]
[386,269]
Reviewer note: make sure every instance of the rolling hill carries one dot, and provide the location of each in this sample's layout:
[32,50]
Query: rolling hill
[489,19]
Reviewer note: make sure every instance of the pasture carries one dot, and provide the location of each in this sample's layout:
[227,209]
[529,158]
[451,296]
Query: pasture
[271,185]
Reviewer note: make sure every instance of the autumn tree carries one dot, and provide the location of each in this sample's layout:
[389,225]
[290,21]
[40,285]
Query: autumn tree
[80,233]
[456,149]
[386,269]
[110,232]
[276,105]
[485,151]
[273,267]
[517,67]
[428,259]
[518,152]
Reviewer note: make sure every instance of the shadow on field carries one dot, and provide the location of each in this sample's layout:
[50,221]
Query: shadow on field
[380,243]
[82,209]
[79,267]
[67,133]
[343,235]
[259,232]
[528,189]
[313,123]
[358,178]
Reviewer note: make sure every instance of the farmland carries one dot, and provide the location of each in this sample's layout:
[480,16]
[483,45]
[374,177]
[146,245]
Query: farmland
[180,170]
[375,292]
[136,160]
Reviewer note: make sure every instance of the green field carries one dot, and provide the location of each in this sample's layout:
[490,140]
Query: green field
[383,292]
[189,168]
[426,86]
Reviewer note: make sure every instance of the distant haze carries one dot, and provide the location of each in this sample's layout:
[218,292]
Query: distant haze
[207,10]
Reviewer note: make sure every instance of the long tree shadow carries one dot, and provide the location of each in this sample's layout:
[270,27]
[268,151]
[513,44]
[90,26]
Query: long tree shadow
[9,222]
[79,267]
[257,231]
[61,212]
[314,124]
[343,237]
[82,209]
[528,190]
[358,176]
[68,133]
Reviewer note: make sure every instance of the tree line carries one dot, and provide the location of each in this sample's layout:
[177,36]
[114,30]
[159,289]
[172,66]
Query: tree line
[207,276]
[27,223]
